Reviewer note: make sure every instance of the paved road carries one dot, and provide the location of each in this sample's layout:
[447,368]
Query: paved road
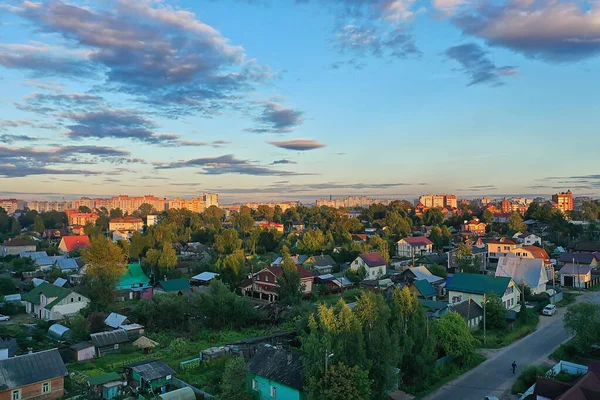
[494,376]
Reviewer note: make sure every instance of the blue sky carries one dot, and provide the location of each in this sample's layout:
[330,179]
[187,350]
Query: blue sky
[297,99]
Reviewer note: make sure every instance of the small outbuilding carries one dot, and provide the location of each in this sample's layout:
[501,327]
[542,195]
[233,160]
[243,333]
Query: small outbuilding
[106,386]
[145,344]
[203,278]
[185,393]
[109,342]
[59,333]
[149,375]
[83,351]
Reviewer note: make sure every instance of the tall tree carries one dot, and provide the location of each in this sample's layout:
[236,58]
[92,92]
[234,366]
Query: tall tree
[495,313]
[433,216]
[487,216]
[232,269]
[38,224]
[105,267]
[515,222]
[265,212]
[15,226]
[342,382]
[583,320]
[227,242]
[455,337]
[84,209]
[233,384]
[312,242]
[116,213]
[380,245]
[467,261]
[440,236]
[289,286]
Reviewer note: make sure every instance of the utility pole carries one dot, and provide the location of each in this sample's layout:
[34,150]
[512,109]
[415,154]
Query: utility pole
[484,331]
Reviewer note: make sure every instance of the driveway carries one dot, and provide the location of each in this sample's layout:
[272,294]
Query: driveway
[494,376]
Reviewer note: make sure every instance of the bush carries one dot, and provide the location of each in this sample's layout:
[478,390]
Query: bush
[528,377]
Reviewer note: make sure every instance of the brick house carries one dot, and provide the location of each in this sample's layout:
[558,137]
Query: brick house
[33,376]
[474,226]
[263,284]
[126,224]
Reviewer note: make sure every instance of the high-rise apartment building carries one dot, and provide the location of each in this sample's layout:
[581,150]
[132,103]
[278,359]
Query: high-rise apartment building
[211,199]
[12,205]
[563,201]
[439,201]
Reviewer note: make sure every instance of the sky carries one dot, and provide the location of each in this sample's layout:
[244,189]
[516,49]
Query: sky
[299,99]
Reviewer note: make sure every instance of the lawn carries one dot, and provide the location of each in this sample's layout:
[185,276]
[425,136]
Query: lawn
[499,338]
[349,296]
[568,298]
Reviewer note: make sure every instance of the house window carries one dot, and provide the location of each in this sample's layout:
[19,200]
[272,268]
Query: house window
[267,278]
[46,387]
[72,299]
[273,391]
[16,394]
[254,384]
[258,277]
[79,298]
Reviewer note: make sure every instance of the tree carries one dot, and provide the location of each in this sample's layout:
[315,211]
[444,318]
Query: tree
[144,210]
[433,216]
[168,257]
[79,328]
[38,224]
[342,382]
[233,384]
[381,245]
[232,269]
[583,320]
[265,212]
[84,209]
[116,213]
[92,230]
[495,313]
[515,222]
[398,226]
[455,338]
[105,267]
[243,220]
[227,242]
[487,216]
[289,286]
[440,236]
[356,276]
[252,240]
[15,226]
[467,262]
[312,242]
[7,286]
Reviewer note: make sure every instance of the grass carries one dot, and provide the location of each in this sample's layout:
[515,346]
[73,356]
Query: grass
[527,377]
[568,299]
[447,373]
[594,288]
[499,338]
[568,352]
[349,296]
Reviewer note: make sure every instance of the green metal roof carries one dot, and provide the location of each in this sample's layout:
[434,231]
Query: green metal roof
[175,285]
[425,288]
[48,290]
[478,284]
[133,275]
[102,379]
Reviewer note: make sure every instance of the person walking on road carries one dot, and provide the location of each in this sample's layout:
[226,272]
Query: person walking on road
[514,367]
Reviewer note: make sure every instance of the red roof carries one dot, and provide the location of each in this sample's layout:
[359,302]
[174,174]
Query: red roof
[127,219]
[537,252]
[304,273]
[418,241]
[75,242]
[502,241]
[373,259]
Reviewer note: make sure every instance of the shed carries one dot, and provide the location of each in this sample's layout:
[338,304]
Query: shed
[59,332]
[214,352]
[146,344]
[133,330]
[149,375]
[203,278]
[83,351]
[28,369]
[179,286]
[109,342]
[185,393]
[106,385]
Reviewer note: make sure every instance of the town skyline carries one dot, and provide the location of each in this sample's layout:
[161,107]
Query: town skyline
[388,98]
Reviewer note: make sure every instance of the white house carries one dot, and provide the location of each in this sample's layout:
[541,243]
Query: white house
[474,286]
[373,263]
[413,246]
[16,246]
[528,271]
[528,239]
[53,303]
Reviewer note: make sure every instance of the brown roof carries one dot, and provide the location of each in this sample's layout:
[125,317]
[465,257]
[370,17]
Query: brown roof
[418,241]
[16,242]
[373,259]
[503,241]
[537,252]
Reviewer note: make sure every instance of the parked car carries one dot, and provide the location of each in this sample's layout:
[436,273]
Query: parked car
[549,310]
[490,398]
[4,318]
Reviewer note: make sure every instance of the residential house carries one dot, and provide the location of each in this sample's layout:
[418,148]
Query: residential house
[501,247]
[575,275]
[13,247]
[298,226]
[149,376]
[423,289]
[531,272]
[474,226]
[434,259]
[105,386]
[78,230]
[501,218]
[33,376]
[203,278]
[269,225]
[359,237]
[126,224]
[72,243]
[53,303]
[83,351]
[299,259]
[134,284]
[373,263]
[322,264]
[587,247]
[471,312]
[263,284]
[413,246]
[479,252]
[179,286]
[528,238]
[420,273]
[587,259]
[53,233]
[79,218]
[334,282]
[474,286]
[586,387]
[529,251]
[151,220]
[109,342]
[276,374]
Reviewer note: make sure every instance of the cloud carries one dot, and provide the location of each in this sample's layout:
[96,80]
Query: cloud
[448,7]
[550,30]
[477,66]
[161,54]
[276,118]
[9,139]
[45,85]
[6,124]
[226,164]
[20,170]
[283,161]
[283,186]
[298,144]
[367,39]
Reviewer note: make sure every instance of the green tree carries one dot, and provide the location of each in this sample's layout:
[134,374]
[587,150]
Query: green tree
[15,226]
[495,313]
[356,276]
[243,220]
[84,209]
[342,382]
[79,328]
[7,286]
[440,236]
[312,242]
[233,384]
[515,222]
[289,286]
[381,246]
[116,213]
[232,269]
[433,216]
[92,230]
[265,212]
[38,224]
[455,338]
[398,226]
[144,210]
[487,216]
[253,240]
[227,242]
[583,320]
[467,262]
[105,267]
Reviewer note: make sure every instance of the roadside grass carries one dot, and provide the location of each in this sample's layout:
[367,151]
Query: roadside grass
[527,377]
[568,352]
[499,338]
[568,299]
[594,288]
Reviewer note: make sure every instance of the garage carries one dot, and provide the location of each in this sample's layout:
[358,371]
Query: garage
[568,281]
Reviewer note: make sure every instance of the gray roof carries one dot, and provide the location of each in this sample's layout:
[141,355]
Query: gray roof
[115,320]
[571,269]
[579,258]
[322,261]
[205,276]
[277,365]
[185,393]
[531,271]
[82,345]
[153,370]
[58,332]
[109,338]
[34,255]
[421,272]
[60,282]
[468,309]
[31,368]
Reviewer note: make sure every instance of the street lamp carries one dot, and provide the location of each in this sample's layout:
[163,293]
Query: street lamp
[328,355]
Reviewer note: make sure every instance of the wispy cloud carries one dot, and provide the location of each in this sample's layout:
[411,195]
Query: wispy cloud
[475,63]
[274,117]
[298,144]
